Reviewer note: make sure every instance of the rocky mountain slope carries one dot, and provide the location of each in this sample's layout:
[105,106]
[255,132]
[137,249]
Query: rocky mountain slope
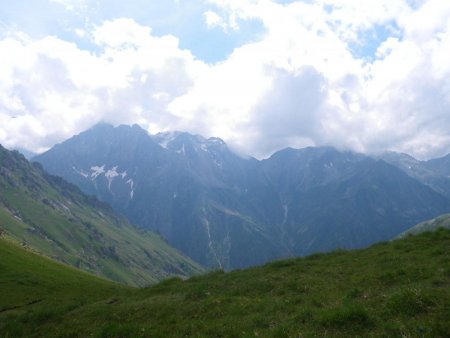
[226,211]
[55,218]
[341,199]
[434,173]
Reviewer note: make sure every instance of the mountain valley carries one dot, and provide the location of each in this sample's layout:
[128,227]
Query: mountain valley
[225,211]
[53,217]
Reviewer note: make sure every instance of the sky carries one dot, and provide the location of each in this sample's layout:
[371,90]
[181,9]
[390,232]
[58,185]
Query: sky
[364,75]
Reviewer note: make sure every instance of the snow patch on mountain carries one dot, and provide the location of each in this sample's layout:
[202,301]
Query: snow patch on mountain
[131,183]
[80,172]
[110,174]
[210,241]
[96,171]
[113,173]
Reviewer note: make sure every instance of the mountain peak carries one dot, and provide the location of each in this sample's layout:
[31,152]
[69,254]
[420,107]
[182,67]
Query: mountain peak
[169,136]
[104,127]
[226,211]
[309,152]
[216,141]
[182,141]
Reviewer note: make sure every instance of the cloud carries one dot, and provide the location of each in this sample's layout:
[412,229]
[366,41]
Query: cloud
[368,76]
[51,89]
[395,99]
[291,112]
[215,20]
[72,5]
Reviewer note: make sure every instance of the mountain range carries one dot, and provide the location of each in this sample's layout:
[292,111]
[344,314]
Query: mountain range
[435,172]
[226,211]
[53,217]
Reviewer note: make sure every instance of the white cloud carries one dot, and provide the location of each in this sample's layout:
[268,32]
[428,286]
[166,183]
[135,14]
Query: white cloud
[51,89]
[300,83]
[72,5]
[213,19]
[400,100]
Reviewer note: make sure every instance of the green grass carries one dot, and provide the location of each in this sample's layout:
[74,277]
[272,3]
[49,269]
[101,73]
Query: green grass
[394,289]
[38,290]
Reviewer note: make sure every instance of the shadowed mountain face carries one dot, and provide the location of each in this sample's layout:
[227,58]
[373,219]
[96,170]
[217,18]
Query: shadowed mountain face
[55,218]
[435,173]
[226,211]
[342,199]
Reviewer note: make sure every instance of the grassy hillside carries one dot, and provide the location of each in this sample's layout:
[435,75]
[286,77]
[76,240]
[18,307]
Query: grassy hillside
[394,289]
[442,221]
[29,281]
[53,217]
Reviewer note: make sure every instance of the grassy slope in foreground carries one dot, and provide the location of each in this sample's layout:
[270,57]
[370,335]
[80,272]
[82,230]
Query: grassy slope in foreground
[51,289]
[55,218]
[400,288]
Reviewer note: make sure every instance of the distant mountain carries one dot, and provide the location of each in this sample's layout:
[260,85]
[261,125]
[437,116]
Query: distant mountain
[226,211]
[342,199]
[189,189]
[28,154]
[440,166]
[435,173]
[442,221]
[55,218]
